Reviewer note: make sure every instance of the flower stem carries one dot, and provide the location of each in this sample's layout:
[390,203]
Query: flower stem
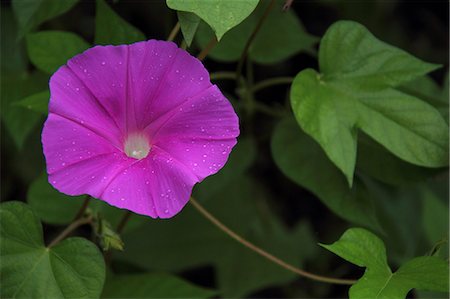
[83,208]
[74,225]
[272,82]
[207,49]
[268,110]
[252,37]
[223,76]
[126,216]
[174,32]
[264,253]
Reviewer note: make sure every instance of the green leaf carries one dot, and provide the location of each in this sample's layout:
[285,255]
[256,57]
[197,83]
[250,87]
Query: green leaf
[427,89]
[398,210]
[48,50]
[152,285]
[111,29]
[19,121]
[37,102]
[74,268]
[364,61]
[435,219]
[364,249]
[50,205]
[221,15]
[30,14]
[353,92]
[380,164]
[301,159]
[189,24]
[269,46]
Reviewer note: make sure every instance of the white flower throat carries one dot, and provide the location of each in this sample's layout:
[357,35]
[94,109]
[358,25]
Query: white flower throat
[137,146]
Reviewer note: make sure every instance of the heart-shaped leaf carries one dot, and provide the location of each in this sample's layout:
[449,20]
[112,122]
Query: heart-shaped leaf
[74,268]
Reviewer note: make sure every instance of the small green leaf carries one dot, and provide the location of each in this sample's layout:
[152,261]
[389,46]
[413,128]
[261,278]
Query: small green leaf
[221,15]
[74,268]
[364,249]
[32,13]
[269,46]
[37,102]
[50,205]
[353,92]
[48,50]
[304,162]
[152,285]
[111,29]
[109,239]
[189,24]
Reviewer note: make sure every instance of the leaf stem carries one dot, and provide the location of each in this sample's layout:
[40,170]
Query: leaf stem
[264,253]
[74,225]
[252,37]
[207,49]
[271,82]
[174,32]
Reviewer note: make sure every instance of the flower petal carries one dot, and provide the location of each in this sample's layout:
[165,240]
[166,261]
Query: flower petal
[163,77]
[157,186]
[72,99]
[104,72]
[78,160]
[201,133]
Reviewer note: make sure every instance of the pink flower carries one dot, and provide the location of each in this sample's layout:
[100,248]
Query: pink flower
[136,126]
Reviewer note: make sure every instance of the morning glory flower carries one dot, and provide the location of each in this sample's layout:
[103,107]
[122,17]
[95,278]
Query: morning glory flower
[136,126]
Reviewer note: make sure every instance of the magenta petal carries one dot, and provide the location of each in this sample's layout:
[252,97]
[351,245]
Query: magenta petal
[78,160]
[72,99]
[136,126]
[104,72]
[201,133]
[162,77]
[158,186]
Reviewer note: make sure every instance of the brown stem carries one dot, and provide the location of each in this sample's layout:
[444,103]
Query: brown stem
[264,253]
[123,221]
[252,37]
[174,32]
[207,49]
[83,208]
[74,225]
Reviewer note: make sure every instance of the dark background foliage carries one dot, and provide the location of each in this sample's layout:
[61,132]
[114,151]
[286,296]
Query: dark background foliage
[419,27]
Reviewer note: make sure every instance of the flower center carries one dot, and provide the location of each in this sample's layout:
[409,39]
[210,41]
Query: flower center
[137,146]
